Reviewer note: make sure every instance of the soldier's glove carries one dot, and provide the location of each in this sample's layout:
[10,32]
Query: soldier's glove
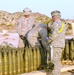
[22,37]
[37,45]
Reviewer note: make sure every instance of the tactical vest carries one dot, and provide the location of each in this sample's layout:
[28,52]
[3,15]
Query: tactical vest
[59,31]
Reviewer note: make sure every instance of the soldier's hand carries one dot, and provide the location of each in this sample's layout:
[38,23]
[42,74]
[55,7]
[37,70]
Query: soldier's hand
[22,37]
[37,45]
[48,40]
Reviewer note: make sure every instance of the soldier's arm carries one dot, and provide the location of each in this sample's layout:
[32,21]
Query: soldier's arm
[55,33]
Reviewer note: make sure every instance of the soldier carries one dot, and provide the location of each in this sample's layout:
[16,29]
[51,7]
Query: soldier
[37,35]
[57,40]
[24,25]
[39,31]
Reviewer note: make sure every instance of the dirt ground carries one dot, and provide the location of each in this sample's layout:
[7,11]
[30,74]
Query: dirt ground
[68,73]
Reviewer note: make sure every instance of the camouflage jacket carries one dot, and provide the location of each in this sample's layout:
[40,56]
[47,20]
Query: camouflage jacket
[24,25]
[38,31]
[57,39]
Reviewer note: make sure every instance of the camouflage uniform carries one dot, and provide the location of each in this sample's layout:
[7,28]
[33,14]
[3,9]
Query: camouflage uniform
[38,31]
[57,42]
[24,25]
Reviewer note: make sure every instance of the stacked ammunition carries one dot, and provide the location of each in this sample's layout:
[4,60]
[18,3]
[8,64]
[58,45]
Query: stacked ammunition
[68,53]
[15,61]
[32,59]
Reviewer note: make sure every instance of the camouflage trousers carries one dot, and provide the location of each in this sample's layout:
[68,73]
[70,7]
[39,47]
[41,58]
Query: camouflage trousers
[56,60]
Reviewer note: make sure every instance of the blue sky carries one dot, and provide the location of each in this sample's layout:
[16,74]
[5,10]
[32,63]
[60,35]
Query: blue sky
[43,6]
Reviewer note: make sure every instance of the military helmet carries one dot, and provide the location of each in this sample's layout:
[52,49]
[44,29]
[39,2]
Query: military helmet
[27,11]
[56,13]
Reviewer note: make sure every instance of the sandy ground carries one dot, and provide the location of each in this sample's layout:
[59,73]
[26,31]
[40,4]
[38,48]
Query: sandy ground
[67,73]
[44,73]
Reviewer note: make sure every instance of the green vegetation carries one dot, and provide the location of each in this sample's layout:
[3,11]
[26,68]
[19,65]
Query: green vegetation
[6,34]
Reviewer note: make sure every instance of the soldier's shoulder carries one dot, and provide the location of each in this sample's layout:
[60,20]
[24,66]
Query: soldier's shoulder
[50,22]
